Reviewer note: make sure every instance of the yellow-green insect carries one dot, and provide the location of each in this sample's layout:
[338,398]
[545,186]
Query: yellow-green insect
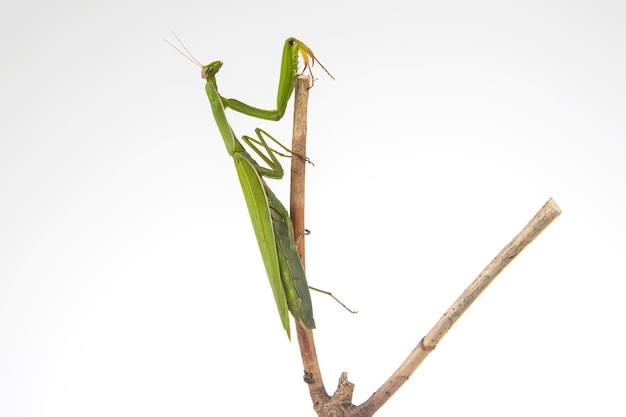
[270,220]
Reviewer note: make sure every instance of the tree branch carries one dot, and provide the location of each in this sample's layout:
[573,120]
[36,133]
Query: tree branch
[537,224]
[312,373]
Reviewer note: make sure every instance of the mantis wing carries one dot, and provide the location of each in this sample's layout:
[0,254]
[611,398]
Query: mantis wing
[256,199]
[291,268]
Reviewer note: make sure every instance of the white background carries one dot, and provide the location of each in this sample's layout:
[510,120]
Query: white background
[130,280]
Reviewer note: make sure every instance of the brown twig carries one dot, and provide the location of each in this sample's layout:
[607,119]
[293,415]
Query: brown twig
[539,222]
[312,373]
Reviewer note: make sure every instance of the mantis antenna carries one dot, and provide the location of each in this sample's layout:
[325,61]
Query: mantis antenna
[188,55]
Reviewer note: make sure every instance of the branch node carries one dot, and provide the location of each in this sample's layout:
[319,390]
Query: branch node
[308,377]
[344,391]
[426,348]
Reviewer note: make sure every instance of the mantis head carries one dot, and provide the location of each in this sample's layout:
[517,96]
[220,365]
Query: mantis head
[209,71]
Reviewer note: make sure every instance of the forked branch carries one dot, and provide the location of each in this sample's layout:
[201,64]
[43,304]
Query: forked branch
[340,404]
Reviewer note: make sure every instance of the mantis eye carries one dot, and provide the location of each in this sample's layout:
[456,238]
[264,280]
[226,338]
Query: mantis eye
[211,69]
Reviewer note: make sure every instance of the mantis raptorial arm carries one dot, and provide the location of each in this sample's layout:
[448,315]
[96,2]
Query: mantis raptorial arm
[288,71]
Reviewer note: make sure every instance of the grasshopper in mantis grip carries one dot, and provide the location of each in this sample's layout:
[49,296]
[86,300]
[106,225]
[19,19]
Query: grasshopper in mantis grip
[270,220]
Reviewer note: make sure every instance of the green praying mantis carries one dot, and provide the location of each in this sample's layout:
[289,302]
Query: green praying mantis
[270,220]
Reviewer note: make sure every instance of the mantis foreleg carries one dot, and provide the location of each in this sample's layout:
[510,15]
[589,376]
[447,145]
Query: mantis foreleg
[286,80]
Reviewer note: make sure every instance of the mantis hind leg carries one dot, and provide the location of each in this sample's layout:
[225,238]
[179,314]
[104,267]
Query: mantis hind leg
[333,297]
[300,236]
